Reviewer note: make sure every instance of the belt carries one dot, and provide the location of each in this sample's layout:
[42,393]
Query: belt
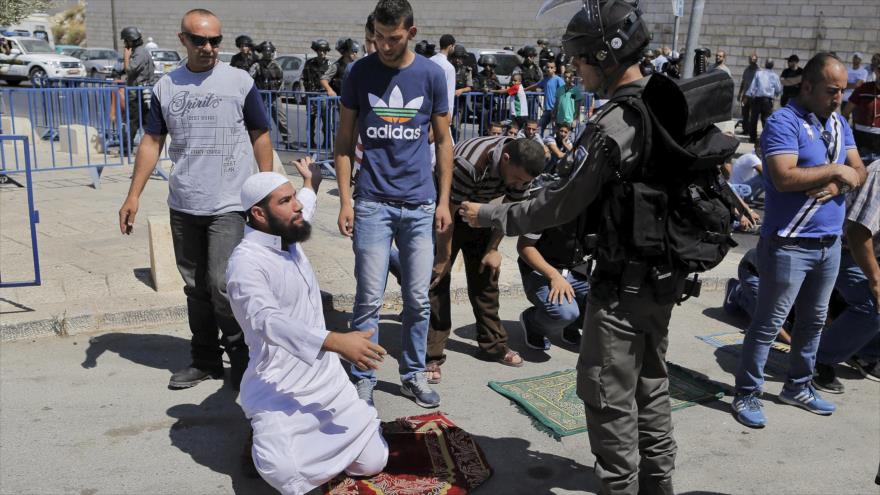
[825,240]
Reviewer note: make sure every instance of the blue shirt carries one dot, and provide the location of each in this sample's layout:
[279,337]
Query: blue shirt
[792,130]
[766,84]
[549,87]
[394,108]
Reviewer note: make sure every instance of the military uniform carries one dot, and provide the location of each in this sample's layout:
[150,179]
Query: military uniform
[141,72]
[622,374]
[334,74]
[269,78]
[531,73]
[244,61]
[492,108]
[314,68]
[464,78]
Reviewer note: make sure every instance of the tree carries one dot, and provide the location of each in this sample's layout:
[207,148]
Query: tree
[69,27]
[13,11]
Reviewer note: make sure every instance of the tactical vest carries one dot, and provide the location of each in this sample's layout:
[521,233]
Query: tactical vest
[243,61]
[267,75]
[485,81]
[336,80]
[530,75]
[314,69]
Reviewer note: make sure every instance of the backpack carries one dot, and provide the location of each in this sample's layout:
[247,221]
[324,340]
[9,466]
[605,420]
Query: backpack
[676,210]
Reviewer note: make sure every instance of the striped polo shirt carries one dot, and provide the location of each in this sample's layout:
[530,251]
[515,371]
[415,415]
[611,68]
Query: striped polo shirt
[483,184]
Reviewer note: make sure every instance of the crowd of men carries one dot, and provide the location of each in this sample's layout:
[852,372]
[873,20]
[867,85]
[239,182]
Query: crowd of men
[411,197]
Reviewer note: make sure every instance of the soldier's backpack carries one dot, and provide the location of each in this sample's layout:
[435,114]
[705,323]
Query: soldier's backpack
[675,211]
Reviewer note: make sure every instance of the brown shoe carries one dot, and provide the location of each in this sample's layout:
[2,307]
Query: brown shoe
[433,372]
[511,358]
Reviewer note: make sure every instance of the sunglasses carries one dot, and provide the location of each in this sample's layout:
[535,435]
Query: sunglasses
[202,40]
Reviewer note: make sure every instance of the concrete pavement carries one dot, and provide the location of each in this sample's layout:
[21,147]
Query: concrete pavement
[91,414]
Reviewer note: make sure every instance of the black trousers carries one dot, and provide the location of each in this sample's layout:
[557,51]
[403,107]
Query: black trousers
[761,108]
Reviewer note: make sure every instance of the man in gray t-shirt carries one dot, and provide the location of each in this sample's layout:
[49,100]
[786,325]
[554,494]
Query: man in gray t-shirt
[219,132]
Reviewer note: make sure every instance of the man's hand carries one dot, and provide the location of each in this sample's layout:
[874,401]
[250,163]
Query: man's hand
[442,218]
[469,211]
[848,176]
[824,193]
[346,220]
[492,261]
[442,266]
[331,93]
[126,215]
[560,290]
[356,348]
[310,172]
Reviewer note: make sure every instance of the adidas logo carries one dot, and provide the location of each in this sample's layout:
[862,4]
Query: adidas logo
[395,111]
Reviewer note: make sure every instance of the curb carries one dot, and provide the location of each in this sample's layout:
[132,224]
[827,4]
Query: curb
[106,322]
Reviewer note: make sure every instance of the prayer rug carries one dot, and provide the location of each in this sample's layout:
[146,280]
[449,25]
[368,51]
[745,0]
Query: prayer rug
[731,342]
[428,455]
[553,402]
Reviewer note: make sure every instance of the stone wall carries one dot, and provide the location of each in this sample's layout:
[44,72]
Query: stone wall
[772,28]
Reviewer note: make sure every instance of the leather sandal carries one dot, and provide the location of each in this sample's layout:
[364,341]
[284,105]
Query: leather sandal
[433,371]
[511,358]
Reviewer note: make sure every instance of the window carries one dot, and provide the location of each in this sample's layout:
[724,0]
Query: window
[36,46]
[165,56]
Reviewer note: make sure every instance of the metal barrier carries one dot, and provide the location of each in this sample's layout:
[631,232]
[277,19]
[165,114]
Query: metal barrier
[33,215]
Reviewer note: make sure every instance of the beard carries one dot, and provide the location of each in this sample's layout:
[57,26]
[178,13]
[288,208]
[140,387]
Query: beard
[290,233]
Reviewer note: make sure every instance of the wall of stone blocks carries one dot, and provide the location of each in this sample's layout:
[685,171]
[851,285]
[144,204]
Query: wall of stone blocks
[771,28]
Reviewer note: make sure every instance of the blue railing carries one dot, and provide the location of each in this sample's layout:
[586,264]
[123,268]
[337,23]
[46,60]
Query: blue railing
[33,215]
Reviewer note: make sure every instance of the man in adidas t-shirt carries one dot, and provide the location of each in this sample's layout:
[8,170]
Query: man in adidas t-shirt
[810,160]
[392,98]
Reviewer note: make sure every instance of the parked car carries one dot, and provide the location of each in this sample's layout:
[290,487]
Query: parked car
[66,49]
[165,60]
[98,61]
[292,65]
[34,59]
[506,59]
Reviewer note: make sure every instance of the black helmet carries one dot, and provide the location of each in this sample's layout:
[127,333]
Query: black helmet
[265,47]
[542,41]
[130,34]
[425,49]
[244,40]
[321,45]
[459,51]
[487,60]
[607,33]
[529,51]
[347,45]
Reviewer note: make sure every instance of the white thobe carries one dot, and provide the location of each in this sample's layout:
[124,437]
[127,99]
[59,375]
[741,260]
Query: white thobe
[309,424]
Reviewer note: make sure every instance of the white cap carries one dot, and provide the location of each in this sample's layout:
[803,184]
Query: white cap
[258,186]
[859,55]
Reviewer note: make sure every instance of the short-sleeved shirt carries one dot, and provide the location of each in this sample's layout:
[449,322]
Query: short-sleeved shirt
[207,116]
[852,76]
[744,168]
[549,85]
[863,205]
[141,69]
[792,130]
[394,109]
[791,91]
[484,184]
[866,114]
[449,70]
[567,100]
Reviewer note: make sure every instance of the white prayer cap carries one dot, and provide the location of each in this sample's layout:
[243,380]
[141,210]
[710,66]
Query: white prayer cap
[258,186]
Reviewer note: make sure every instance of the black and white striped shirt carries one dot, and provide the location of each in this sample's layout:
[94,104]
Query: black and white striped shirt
[481,185]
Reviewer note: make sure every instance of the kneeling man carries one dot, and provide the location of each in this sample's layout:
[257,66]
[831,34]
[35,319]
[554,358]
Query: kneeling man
[308,423]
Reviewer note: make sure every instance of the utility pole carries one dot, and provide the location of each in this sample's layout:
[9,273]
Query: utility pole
[113,26]
[693,39]
[677,12]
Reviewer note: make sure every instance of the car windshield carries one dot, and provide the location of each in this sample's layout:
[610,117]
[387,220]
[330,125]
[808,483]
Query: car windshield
[165,56]
[104,55]
[290,63]
[36,46]
[506,63]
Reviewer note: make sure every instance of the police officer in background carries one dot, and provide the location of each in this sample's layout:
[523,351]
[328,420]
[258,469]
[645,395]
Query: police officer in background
[331,80]
[487,82]
[622,374]
[315,68]
[139,71]
[268,77]
[529,69]
[545,53]
[245,57]
[464,83]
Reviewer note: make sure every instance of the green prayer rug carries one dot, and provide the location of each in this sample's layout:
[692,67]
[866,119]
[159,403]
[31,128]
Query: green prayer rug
[553,402]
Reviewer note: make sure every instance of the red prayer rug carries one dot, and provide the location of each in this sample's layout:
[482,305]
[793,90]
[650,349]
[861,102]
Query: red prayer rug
[428,455]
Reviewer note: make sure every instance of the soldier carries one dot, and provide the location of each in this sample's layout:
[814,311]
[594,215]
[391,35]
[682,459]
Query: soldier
[139,71]
[331,80]
[487,82]
[269,77]
[529,67]
[464,83]
[245,57]
[315,68]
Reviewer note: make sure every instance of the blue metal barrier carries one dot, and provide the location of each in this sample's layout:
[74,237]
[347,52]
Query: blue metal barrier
[33,215]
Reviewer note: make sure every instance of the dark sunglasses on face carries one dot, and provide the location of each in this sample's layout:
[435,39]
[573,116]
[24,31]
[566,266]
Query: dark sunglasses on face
[202,40]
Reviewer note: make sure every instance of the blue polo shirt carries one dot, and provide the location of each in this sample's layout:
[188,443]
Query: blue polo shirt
[394,108]
[549,85]
[795,131]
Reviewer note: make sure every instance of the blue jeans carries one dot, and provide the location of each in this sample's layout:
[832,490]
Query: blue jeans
[551,317]
[411,228]
[757,185]
[857,329]
[746,295]
[799,275]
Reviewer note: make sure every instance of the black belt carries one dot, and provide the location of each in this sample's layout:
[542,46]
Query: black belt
[825,240]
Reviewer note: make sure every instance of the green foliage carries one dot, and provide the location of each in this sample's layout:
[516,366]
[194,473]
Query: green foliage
[70,26]
[13,11]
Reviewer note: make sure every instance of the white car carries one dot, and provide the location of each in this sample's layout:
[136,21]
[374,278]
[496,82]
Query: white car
[33,59]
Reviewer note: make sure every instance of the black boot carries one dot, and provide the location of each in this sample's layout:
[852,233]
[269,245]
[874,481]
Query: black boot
[192,376]
[238,362]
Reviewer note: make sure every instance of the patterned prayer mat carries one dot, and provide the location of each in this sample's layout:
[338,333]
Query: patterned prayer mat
[552,399]
[428,455]
[732,342]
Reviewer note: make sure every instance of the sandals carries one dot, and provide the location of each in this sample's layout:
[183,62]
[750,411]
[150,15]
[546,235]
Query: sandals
[511,358]
[432,370]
